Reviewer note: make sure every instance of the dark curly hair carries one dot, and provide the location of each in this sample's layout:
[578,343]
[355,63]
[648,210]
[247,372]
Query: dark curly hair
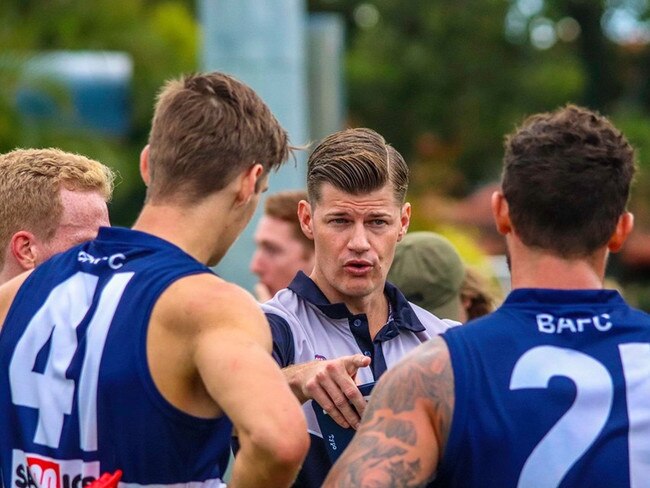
[566,178]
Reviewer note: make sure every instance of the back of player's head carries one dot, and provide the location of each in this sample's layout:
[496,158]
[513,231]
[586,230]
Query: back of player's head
[356,161]
[283,205]
[566,178]
[30,182]
[206,129]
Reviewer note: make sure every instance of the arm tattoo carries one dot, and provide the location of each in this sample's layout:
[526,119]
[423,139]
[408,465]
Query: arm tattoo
[394,446]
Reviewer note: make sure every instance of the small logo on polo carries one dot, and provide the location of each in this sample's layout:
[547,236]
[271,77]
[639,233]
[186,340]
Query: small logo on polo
[319,357]
[332,441]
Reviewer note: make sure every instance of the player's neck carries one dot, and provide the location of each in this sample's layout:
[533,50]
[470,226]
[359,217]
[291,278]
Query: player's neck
[11,269]
[6,276]
[199,230]
[375,307]
[535,269]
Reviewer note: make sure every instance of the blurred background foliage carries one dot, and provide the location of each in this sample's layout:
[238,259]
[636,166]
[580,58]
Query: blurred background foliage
[161,37]
[442,80]
[445,80]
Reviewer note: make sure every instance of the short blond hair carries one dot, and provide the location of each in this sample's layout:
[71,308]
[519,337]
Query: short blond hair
[30,182]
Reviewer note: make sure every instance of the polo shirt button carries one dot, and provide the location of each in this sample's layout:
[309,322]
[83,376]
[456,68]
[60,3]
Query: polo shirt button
[366,353]
[356,322]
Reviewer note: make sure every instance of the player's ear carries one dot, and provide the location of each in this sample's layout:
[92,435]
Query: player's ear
[248,183]
[144,165]
[624,226]
[262,181]
[501,213]
[305,218]
[22,246]
[405,220]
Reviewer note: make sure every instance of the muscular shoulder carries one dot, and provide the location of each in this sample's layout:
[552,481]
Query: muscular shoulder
[205,288]
[205,300]
[405,426]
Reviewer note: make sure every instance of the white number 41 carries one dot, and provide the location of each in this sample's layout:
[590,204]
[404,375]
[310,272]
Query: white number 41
[50,391]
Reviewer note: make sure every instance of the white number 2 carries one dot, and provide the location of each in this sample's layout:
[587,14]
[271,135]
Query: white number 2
[64,309]
[579,427]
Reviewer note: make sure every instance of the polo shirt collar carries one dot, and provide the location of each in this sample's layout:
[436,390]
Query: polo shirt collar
[402,314]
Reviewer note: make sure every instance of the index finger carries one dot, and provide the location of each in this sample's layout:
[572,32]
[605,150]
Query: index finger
[354,396]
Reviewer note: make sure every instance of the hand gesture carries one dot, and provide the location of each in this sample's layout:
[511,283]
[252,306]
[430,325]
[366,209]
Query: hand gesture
[332,384]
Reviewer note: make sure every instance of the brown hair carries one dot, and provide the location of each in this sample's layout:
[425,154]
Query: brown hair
[356,161]
[566,178]
[206,129]
[283,206]
[476,295]
[30,182]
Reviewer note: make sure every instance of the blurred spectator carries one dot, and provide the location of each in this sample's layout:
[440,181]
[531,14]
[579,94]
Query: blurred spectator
[430,272]
[476,295]
[282,248]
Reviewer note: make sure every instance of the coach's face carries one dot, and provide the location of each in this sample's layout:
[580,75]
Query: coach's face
[354,239]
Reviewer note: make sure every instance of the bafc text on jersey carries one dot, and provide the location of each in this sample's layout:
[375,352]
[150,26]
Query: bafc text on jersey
[550,324]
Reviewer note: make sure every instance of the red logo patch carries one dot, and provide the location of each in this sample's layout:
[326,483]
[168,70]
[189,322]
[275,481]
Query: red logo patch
[46,473]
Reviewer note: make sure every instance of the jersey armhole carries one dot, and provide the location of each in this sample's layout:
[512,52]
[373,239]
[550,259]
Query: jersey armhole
[155,396]
[22,294]
[459,414]
[283,347]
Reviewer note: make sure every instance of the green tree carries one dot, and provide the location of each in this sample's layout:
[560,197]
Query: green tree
[447,69]
[160,36]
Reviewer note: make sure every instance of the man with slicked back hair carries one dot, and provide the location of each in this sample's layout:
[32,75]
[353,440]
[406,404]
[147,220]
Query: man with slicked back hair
[343,324]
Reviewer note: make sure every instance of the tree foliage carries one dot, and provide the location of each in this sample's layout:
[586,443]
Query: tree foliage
[160,36]
[445,80]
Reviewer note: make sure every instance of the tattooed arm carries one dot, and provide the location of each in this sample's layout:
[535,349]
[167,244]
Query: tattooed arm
[405,427]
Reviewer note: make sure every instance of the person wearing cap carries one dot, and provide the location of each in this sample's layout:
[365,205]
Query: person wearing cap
[344,325]
[430,272]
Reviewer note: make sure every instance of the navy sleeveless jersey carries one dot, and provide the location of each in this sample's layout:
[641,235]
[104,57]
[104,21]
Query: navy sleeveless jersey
[76,395]
[551,390]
